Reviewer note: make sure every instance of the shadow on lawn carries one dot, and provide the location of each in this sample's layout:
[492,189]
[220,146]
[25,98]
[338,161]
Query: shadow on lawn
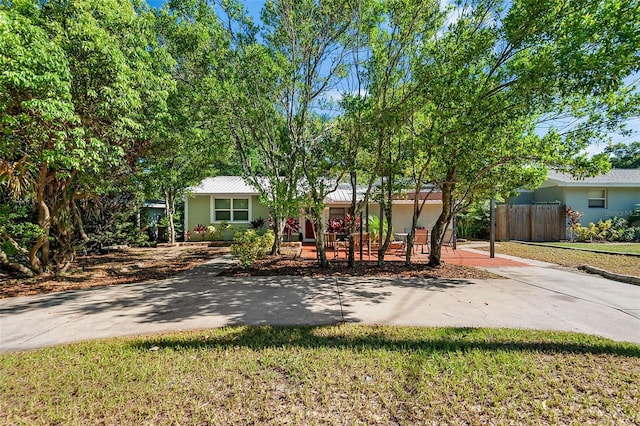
[378,338]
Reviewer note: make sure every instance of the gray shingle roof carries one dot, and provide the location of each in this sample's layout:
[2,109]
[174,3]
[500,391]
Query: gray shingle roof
[615,177]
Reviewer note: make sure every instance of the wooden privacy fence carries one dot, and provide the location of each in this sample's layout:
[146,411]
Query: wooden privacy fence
[531,222]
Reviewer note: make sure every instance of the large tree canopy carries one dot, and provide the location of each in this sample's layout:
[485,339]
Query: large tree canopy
[474,99]
[77,83]
[189,140]
[623,156]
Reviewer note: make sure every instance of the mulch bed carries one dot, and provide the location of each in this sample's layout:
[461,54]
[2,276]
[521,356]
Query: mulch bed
[138,265]
[301,267]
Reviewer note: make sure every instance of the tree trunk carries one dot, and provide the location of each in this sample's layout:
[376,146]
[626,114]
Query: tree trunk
[323,262]
[169,201]
[78,218]
[4,260]
[440,227]
[278,226]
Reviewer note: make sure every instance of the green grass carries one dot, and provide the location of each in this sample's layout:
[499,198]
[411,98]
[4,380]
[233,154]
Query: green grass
[604,247]
[345,374]
[627,265]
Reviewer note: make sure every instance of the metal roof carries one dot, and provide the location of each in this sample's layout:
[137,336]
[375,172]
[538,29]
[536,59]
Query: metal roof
[236,185]
[343,194]
[615,177]
[224,185]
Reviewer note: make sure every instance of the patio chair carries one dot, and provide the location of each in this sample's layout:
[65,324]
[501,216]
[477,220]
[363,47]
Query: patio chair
[421,239]
[331,243]
[366,243]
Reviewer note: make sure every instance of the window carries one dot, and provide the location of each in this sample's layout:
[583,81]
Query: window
[337,212]
[231,210]
[597,198]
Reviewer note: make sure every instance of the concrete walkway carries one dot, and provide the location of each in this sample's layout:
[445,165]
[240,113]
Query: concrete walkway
[537,296]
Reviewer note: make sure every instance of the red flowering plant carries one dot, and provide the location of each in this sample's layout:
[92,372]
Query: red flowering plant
[340,225]
[199,230]
[291,225]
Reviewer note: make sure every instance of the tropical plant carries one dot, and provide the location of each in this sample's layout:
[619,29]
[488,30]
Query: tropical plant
[374,229]
[336,225]
[635,215]
[291,225]
[474,221]
[219,232]
[257,224]
[573,220]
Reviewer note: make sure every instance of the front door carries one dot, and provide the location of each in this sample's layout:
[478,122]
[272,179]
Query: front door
[308,230]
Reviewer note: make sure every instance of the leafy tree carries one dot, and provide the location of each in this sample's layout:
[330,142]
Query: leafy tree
[393,33]
[279,85]
[190,139]
[491,77]
[623,156]
[75,75]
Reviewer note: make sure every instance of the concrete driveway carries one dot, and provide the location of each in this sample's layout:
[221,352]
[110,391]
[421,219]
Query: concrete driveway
[538,296]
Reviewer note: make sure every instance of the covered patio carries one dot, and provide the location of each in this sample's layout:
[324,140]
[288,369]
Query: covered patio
[460,256]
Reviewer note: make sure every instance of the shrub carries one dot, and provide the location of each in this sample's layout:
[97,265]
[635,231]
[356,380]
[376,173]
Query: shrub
[618,227]
[211,231]
[257,224]
[635,215]
[474,222]
[248,246]
[219,231]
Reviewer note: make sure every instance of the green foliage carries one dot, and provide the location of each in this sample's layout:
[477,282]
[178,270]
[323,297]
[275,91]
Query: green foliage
[474,222]
[624,156]
[111,220]
[210,232]
[635,215]
[614,229]
[189,141]
[17,223]
[248,246]
[79,83]
[223,228]
[374,228]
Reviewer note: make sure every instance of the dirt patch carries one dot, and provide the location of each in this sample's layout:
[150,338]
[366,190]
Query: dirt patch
[304,267]
[130,265]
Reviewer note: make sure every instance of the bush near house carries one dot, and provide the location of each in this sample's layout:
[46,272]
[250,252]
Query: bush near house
[614,229]
[248,246]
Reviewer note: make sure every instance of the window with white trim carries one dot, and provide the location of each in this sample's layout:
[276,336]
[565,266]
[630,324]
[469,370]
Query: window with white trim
[231,210]
[597,198]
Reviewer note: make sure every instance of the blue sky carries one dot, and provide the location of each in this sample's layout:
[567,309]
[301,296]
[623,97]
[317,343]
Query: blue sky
[254,7]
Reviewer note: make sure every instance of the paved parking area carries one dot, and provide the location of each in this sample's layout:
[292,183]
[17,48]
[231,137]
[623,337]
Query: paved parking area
[535,297]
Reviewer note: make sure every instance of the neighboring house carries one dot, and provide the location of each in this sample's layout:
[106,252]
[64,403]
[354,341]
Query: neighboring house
[151,212]
[598,198]
[148,217]
[231,199]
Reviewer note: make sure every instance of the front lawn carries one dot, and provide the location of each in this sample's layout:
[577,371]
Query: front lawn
[627,265]
[604,247]
[345,374]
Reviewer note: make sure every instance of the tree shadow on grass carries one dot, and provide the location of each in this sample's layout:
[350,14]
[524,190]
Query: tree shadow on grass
[422,339]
